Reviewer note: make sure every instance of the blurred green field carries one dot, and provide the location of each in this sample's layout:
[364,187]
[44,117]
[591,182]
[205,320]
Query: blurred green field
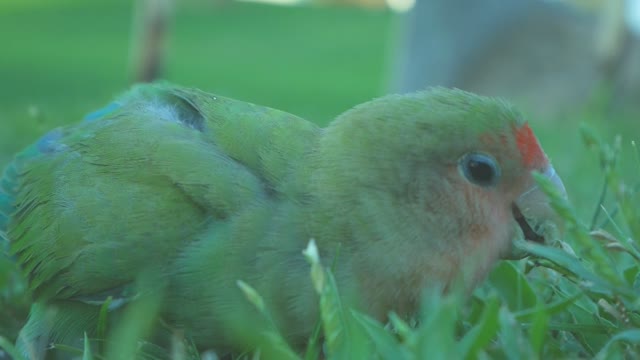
[61,61]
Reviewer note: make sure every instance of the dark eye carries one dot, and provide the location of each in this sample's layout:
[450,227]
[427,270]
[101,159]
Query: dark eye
[480,169]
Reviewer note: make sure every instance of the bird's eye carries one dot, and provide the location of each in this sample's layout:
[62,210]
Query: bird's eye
[480,169]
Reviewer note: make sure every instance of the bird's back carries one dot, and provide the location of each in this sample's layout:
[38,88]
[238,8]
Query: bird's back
[90,206]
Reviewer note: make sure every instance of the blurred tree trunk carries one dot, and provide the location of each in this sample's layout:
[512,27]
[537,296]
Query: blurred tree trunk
[151,18]
[547,57]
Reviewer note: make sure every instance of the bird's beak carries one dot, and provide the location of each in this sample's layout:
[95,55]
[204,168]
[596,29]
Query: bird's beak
[535,218]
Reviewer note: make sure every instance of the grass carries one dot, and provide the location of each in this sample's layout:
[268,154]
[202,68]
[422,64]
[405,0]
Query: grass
[575,300]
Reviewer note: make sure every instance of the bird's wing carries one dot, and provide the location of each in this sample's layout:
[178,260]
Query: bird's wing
[94,204]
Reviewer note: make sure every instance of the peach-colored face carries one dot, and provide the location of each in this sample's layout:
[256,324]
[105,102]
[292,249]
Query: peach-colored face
[490,216]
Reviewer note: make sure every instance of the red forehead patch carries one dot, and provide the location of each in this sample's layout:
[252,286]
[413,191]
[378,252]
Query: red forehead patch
[532,154]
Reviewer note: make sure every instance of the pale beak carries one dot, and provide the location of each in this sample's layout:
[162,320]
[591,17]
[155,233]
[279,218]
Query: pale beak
[534,215]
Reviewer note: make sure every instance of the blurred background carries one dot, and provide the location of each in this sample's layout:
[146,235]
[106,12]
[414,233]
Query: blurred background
[563,62]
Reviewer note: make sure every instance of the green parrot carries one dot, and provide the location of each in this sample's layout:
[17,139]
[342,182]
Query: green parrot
[400,193]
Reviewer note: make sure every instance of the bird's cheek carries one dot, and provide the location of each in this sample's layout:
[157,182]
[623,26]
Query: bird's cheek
[485,250]
[512,252]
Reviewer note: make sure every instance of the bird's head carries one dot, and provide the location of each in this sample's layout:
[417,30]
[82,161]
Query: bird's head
[428,182]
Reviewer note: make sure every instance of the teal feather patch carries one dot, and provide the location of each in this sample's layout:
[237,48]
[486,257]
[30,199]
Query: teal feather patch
[98,114]
[47,144]
[7,183]
[6,206]
[7,197]
[50,142]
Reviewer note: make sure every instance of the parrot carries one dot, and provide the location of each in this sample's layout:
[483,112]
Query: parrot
[401,192]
